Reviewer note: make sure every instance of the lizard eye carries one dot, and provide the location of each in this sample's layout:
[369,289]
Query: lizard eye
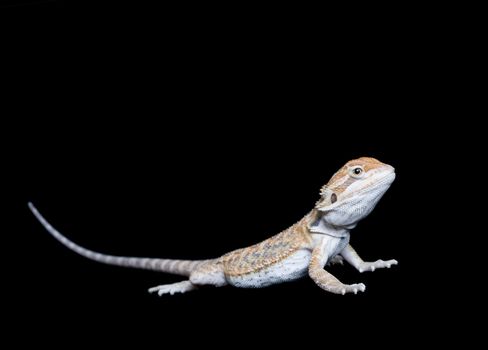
[357,172]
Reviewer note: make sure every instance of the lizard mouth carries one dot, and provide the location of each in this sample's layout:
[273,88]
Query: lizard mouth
[379,183]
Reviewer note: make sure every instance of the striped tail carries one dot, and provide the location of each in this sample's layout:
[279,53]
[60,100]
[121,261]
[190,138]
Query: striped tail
[177,267]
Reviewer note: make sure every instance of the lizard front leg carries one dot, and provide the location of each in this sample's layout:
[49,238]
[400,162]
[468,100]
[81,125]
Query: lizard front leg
[336,260]
[327,281]
[355,260]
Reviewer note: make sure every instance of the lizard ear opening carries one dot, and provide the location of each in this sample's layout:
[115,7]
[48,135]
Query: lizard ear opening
[328,198]
[333,198]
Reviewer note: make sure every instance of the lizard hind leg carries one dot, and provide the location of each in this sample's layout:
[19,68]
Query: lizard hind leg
[211,273]
[179,287]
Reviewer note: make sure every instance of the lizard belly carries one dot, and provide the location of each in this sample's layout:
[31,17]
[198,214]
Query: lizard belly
[291,268]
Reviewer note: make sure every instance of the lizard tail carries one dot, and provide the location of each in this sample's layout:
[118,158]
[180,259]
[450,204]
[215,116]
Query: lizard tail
[177,267]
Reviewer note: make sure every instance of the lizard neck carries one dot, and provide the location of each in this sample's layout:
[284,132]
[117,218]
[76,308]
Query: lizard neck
[319,224]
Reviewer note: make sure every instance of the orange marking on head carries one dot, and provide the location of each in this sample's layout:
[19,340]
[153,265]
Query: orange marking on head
[367,163]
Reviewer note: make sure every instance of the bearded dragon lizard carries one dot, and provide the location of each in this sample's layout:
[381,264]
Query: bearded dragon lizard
[319,238]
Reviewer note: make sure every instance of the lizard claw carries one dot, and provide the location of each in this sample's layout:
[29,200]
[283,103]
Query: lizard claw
[391,263]
[179,287]
[378,264]
[352,288]
[339,260]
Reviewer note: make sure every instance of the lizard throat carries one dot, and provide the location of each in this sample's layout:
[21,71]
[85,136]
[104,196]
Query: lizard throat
[323,227]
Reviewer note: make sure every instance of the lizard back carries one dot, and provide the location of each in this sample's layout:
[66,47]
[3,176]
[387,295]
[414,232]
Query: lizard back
[269,252]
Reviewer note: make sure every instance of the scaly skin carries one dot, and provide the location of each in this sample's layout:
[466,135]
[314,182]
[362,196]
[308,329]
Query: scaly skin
[321,237]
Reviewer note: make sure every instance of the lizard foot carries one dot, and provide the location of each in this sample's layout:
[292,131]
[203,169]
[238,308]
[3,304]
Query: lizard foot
[378,264]
[179,287]
[346,288]
[353,288]
[336,260]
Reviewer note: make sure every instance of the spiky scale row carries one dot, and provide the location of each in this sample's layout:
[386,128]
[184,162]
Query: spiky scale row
[268,252]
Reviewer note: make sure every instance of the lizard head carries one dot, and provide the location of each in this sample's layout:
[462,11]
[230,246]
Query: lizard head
[354,190]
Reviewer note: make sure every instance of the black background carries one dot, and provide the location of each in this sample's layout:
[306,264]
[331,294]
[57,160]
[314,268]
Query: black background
[157,138]
[32,5]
